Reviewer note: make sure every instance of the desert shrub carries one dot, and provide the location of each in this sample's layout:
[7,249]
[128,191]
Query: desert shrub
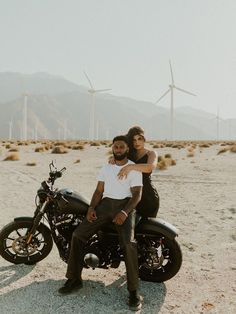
[173,162]
[14,149]
[33,163]
[204,145]
[94,144]
[223,150]
[164,162]
[190,149]
[77,161]
[12,157]
[59,143]
[162,165]
[233,149]
[190,154]
[77,147]
[179,146]
[39,149]
[59,150]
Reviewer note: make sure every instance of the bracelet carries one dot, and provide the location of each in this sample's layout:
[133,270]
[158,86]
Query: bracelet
[124,213]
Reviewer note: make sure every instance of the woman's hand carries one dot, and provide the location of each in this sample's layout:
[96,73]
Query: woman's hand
[124,172]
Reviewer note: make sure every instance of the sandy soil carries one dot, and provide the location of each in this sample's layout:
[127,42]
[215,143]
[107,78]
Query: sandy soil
[198,195]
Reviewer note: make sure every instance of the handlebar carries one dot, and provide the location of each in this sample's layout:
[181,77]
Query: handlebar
[53,175]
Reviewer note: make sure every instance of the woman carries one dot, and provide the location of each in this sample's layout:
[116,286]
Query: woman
[145,161]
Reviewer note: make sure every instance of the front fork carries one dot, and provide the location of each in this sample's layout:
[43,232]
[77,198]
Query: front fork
[39,215]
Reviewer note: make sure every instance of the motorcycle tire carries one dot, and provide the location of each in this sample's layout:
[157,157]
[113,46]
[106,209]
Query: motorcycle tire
[172,261]
[12,243]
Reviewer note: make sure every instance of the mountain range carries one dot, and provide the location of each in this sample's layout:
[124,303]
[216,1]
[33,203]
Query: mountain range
[60,109]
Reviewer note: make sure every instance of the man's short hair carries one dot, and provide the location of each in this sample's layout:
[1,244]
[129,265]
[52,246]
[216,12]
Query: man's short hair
[120,138]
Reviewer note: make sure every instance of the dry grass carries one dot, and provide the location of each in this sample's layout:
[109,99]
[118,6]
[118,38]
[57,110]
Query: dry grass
[77,161]
[59,150]
[12,157]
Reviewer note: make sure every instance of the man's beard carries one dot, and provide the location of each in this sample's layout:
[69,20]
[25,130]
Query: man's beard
[120,157]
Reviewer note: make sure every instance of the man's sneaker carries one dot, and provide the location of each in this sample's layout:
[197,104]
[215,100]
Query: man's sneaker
[71,285]
[135,301]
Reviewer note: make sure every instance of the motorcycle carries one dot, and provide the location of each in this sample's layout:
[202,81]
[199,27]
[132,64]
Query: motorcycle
[28,240]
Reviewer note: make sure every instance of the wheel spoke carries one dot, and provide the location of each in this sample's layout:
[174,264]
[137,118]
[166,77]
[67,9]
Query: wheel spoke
[8,247]
[17,231]
[8,238]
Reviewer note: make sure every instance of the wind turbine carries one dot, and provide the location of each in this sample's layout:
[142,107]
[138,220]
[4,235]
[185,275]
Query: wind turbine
[218,119]
[24,126]
[92,91]
[171,88]
[10,129]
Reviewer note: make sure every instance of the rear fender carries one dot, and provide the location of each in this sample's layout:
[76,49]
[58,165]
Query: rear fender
[156,226]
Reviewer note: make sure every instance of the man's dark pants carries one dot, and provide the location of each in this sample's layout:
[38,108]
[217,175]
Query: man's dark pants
[106,211]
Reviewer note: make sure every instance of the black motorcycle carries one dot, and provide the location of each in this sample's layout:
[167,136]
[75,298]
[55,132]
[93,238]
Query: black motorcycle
[28,240]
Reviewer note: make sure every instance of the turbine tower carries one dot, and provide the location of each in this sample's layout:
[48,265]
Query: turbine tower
[171,88]
[24,126]
[92,91]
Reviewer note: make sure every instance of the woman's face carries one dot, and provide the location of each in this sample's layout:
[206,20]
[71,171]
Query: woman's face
[138,142]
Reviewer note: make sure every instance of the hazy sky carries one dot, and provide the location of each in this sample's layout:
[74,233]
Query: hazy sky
[126,45]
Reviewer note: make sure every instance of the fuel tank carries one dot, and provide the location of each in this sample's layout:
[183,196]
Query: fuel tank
[71,200]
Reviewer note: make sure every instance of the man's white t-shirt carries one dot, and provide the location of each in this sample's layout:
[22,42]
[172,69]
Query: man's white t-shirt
[118,188]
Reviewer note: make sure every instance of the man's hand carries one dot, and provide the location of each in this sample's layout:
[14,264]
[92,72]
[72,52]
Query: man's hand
[91,214]
[119,218]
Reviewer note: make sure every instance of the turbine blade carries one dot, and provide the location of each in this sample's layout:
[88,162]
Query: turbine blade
[162,96]
[91,85]
[171,72]
[184,91]
[101,90]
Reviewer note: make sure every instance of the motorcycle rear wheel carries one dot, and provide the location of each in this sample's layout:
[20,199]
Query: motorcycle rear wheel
[14,249]
[154,269]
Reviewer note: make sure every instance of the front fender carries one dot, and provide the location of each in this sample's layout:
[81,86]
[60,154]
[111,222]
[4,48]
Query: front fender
[156,225]
[30,219]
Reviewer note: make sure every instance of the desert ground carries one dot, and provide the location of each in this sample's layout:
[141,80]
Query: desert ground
[197,187]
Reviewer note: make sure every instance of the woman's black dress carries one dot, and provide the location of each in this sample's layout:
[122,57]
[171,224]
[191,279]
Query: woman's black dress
[149,204]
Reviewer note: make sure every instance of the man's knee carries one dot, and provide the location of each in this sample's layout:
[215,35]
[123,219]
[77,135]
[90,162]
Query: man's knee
[79,235]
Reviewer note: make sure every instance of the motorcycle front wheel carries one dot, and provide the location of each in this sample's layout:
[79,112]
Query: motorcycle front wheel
[160,258]
[13,246]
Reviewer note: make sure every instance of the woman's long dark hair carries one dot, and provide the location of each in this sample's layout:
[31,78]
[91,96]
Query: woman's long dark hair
[135,130]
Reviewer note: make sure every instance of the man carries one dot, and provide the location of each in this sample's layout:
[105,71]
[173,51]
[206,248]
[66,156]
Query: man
[113,201]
